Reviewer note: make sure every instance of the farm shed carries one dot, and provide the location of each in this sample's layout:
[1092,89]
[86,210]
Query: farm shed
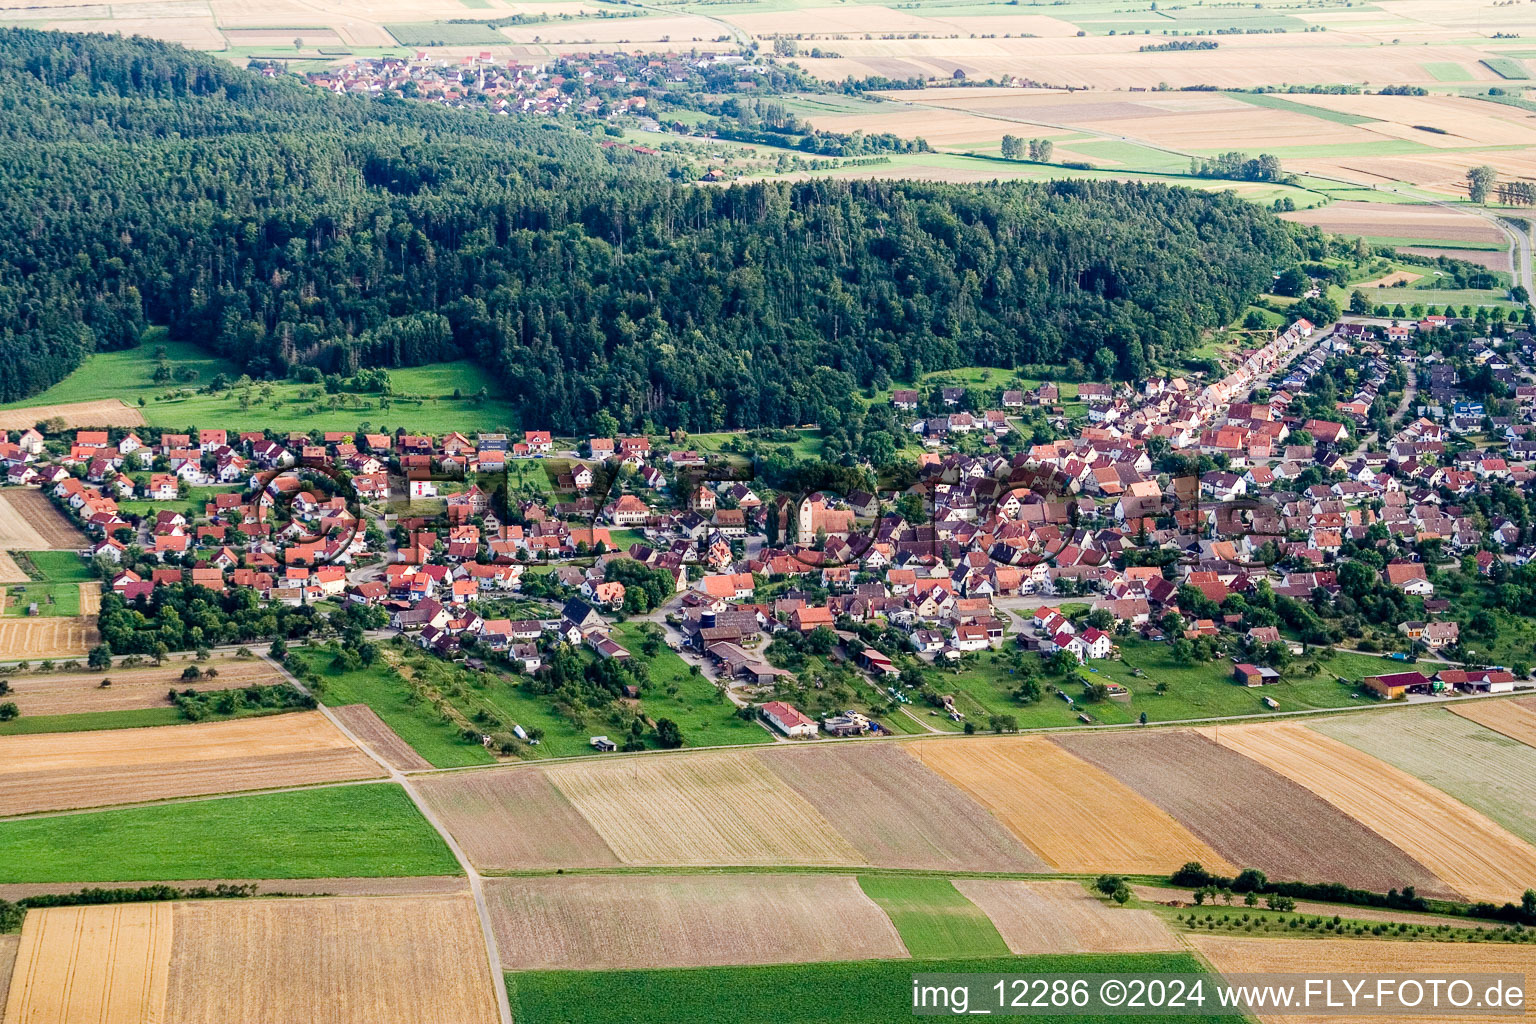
[1397,684]
[1254,675]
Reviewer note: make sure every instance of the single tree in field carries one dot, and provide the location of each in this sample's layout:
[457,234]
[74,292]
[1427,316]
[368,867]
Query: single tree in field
[100,657]
[9,711]
[1479,181]
[1013,147]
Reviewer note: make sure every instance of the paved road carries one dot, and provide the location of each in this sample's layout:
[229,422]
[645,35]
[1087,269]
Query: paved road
[476,883]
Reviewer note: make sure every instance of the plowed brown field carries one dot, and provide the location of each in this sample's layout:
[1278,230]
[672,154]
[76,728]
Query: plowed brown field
[347,960]
[1073,815]
[1061,917]
[611,922]
[514,818]
[1474,855]
[1308,956]
[1513,718]
[77,692]
[55,771]
[1233,803]
[711,808]
[103,964]
[897,813]
[379,737]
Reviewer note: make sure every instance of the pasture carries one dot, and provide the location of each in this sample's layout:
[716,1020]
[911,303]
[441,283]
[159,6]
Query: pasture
[864,992]
[934,919]
[1232,803]
[1076,817]
[1473,855]
[602,922]
[1063,917]
[368,831]
[56,771]
[1482,768]
[700,809]
[895,812]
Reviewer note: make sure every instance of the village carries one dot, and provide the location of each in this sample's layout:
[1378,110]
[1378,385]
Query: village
[1163,504]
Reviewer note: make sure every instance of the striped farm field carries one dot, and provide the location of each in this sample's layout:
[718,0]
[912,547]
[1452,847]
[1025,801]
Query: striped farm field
[1475,856]
[1062,917]
[1301,956]
[701,809]
[514,818]
[895,812]
[933,917]
[56,771]
[610,922]
[1075,816]
[1484,769]
[104,964]
[1513,718]
[1233,803]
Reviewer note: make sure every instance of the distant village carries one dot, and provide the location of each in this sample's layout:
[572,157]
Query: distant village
[979,552]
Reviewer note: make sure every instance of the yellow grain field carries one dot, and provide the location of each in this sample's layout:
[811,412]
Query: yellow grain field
[106,412]
[1074,815]
[345,960]
[1062,917]
[1308,956]
[54,771]
[1512,718]
[700,809]
[588,922]
[1472,854]
[102,964]
[47,636]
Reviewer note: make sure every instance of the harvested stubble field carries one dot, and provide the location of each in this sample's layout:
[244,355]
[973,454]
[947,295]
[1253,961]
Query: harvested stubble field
[1513,718]
[1076,817]
[1493,260]
[56,771]
[30,522]
[1473,855]
[1303,956]
[514,818]
[105,964]
[598,922]
[421,885]
[78,692]
[1399,220]
[8,946]
[106,412]
[1233,803]
[701,809]
[364,960]
[895,812]
[52,636]
[1484,769]
[10,572]
[1061,917]
[377,736]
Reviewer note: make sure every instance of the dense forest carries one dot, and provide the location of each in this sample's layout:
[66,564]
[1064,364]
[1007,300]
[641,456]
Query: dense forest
[285,226]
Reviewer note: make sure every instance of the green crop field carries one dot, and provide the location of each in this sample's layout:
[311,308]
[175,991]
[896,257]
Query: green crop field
[934,919]
[369,831]
[1273,102]
[1507,67]
[1445,71]
[135,718]
[867,992]
[57,566]
[442,33]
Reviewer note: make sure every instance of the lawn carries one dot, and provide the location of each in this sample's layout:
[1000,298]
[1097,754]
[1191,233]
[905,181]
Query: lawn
[422,400]
[50,598]
[196,498]
[934,919]
[57,567]
[336,832]
[380,687]
[867,992]
[985,683]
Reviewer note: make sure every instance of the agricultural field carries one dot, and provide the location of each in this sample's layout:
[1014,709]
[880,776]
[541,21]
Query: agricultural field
[1473,855]
[30,639]
[81,692]
[377,736]
[110,964]
[1298,956]
[514,819]
[1063,917]
[1482,768]
[1076,817]
[30,522]
[1513,718]
[61,770]
[895,812]
[391,960]
[933,917]
[863,992]
[1232,803]
[103,412]
[602,922]
[368,831]
[700,809]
